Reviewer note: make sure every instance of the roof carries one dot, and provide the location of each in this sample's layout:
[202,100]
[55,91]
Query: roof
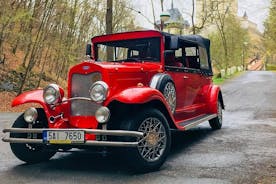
[195,39]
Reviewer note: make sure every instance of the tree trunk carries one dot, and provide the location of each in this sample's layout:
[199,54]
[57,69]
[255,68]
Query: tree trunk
[109,28]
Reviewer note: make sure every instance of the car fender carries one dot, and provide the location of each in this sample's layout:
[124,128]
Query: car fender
[143,95]
[138,95]
[35,96]
[215,94]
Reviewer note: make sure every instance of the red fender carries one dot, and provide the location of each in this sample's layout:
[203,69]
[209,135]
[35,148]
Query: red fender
[138,95]
[35,96]
[215,94]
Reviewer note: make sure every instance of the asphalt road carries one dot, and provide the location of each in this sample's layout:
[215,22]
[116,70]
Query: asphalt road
[243,151]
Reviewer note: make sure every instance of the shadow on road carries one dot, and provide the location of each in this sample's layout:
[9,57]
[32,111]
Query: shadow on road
[81,162]
[183,140]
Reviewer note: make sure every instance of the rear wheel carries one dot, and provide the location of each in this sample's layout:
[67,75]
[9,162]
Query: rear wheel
[30,153]
[154,147]
[216,122]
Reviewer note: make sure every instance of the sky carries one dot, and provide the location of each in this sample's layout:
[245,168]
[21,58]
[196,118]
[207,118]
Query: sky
[257,10]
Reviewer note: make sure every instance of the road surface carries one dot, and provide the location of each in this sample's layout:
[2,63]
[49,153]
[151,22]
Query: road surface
[243,151]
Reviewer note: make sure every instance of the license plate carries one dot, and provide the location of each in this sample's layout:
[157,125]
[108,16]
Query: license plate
[63,137]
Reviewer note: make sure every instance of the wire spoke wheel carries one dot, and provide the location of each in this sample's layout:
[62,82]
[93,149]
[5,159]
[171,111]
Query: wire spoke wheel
[170,95]
[153,144]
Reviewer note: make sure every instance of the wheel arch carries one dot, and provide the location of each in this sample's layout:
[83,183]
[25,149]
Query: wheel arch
[215,95]
[221,99]
[119,109]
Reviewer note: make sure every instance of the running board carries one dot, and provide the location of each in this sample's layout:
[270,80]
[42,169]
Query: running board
[195,121]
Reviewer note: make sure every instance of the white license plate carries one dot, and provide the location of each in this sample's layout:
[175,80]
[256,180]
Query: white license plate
[63,137]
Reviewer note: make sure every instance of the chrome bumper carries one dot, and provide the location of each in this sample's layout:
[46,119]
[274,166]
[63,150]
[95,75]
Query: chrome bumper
[86,143]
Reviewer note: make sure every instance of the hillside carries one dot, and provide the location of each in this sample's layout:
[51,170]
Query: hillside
[10,78]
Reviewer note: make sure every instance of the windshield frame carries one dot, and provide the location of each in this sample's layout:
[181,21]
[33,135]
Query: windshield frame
[151,44]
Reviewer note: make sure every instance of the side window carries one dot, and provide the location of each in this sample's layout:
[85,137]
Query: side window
[192,57]
[174,58]
[133,54]
[203,59]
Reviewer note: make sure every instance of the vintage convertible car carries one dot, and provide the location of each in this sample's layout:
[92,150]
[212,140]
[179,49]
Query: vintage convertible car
[134,88]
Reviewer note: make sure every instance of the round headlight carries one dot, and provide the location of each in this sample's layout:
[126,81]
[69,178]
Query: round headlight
[102,114]
[30,115]
[98,91]
[51,94]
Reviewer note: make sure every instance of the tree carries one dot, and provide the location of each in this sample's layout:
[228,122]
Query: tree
[270,30]
[234,37]
[51,35]
[225,31]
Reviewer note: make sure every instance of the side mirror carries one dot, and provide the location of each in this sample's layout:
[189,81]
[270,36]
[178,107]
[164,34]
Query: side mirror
[88,50]
[174,45]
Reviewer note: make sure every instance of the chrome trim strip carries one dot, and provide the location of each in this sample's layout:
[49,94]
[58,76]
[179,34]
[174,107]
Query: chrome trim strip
[90,131]
[87,143]
[22,140]
[77,98]
[196,122]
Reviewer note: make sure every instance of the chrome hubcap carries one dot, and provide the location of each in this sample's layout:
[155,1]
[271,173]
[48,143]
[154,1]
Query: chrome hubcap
[152,146]
[170,95]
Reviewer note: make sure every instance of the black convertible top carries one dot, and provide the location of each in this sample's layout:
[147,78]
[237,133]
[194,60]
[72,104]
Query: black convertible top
[191,40]
[194,39]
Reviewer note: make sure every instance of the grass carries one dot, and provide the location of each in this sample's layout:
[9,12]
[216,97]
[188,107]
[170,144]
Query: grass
[270,67]
[219,81]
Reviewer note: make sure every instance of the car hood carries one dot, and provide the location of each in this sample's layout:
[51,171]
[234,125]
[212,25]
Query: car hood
[91,66]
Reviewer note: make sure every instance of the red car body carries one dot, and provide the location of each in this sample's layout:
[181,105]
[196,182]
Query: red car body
[133,84]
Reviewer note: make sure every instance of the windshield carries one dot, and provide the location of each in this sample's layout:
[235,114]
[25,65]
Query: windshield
[135,50]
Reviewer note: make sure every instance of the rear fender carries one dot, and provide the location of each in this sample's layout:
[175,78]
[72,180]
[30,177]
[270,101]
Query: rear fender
[215,95]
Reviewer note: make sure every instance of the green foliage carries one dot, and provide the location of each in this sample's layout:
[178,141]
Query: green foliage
[270,29]
[270,67]
[218,81]
[235,36]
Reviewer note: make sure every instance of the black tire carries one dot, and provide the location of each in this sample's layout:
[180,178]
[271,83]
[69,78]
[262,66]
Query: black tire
[216,122]
[164,83]
[30,153]
[135,158]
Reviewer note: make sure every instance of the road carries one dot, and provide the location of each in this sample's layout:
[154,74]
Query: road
[243,151]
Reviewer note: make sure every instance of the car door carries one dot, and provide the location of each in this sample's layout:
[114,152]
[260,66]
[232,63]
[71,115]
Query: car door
[187,83]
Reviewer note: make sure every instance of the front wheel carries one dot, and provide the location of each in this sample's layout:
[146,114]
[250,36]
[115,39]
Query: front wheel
[30,153]
[154,147]
[216,122]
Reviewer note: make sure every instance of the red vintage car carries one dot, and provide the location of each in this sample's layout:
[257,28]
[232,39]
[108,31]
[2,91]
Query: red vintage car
[134,88]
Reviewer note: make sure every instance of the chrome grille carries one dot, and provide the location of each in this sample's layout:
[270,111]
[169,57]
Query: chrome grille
[80,88]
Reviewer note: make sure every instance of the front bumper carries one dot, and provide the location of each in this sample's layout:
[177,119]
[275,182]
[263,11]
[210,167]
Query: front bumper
[86,143]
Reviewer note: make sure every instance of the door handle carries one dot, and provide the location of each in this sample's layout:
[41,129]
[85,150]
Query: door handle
[185,77]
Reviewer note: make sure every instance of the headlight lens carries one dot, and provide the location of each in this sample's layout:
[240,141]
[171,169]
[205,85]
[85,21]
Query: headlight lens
[102,114]
[51,94]
[98,91]
[30,115]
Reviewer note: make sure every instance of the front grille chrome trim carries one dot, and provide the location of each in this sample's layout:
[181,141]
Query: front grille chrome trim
[80,102]
[77,98]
